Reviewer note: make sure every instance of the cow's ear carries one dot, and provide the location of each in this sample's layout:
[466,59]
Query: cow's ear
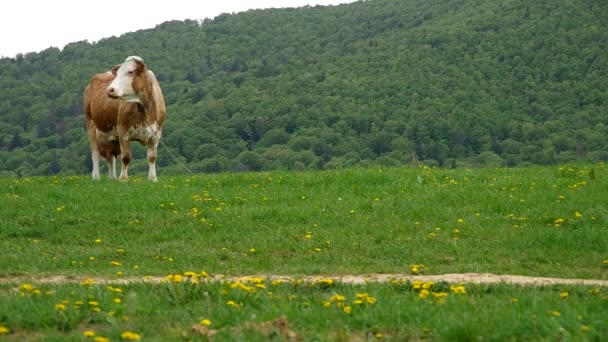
[115,69]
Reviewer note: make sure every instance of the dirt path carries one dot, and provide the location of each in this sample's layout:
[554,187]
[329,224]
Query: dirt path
[477,278]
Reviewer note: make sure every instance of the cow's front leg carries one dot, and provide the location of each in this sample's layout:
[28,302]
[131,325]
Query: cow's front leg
[152,149]
[125,157]
[95,158]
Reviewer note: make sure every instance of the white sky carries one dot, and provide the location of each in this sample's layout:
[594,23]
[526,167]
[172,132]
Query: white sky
[35,25]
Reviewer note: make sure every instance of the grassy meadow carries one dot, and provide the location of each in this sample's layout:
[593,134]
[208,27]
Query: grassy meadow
[541,221]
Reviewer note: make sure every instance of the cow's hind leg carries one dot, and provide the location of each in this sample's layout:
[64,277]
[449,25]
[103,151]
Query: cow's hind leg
[112,167]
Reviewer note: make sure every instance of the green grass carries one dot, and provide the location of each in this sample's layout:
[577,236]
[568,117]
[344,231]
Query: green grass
[542,221]
[311,311]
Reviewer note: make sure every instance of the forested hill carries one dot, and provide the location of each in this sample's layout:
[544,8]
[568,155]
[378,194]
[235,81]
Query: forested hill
[379,82]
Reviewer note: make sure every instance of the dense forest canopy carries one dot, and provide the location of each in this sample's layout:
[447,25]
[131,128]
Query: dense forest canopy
[378,82]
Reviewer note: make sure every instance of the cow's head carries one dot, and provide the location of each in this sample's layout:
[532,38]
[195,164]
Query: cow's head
[130,80]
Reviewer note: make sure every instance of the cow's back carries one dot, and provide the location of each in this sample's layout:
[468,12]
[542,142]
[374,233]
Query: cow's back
[100,109]
[159,99]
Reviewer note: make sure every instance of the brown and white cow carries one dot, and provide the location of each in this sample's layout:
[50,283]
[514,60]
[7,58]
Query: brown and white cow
[123,105]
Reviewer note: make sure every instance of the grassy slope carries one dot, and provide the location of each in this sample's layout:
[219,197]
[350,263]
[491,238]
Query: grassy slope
[504,221]
[351,221]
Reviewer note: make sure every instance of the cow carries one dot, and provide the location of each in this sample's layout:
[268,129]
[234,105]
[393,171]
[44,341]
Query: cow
[121,106]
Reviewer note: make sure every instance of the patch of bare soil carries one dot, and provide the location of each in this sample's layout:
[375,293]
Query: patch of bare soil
[476,278]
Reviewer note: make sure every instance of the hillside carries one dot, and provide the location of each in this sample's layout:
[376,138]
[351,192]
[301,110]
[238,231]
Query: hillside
[380,82]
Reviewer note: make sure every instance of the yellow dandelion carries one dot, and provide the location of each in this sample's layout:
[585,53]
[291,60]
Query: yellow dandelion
[206,322]
[423,294]
[88,282]
[563,295]
[4,330]
[337,298]
[460,289]
[347,309]
[585,328]
[117,300]
[555,313]
[60,307]
[88,333]
[98,241]
[130,336]
[26,287]
[101,339]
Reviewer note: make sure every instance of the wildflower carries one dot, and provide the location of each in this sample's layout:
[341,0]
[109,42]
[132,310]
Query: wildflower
[563,295]
[578,214]
[88,333]
[251,250]
[585,328]
[26,287]
[93,303]
[378,335]
[233,304]
[460,289]
[326,303]
[130,336]
[347,309]
[101,339]
[417,269]
[460,220]
[115,263]
[558,221]
[206,322]
[98,240]
[325,281]
[88,282]
[337,298]
[176,278]
[364,298]
[308,235]
[117,300]
[423,294]
[4,330]
[60,307]
[555,313]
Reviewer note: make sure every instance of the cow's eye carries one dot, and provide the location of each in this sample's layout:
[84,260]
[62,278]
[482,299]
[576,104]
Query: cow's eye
[130,72]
